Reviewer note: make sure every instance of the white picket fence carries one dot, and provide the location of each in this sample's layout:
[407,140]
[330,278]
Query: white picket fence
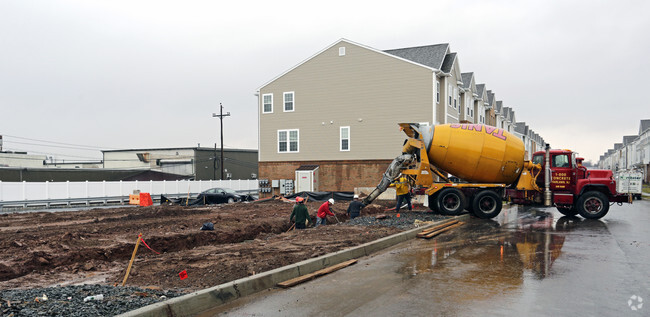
[26,191]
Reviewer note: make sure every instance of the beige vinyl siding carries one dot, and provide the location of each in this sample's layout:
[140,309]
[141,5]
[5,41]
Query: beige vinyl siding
[440,109]
[453,115]
[368,91]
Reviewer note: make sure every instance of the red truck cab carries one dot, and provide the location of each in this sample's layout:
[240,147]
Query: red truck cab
[576,189]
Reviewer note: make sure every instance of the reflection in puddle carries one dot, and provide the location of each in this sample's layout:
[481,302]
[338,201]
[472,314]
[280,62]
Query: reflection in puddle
[497,253]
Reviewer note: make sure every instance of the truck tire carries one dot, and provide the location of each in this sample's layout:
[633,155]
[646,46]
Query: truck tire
[593,205]
[568,211]
[487,204]
[433,203]
[451,201]
[470,205]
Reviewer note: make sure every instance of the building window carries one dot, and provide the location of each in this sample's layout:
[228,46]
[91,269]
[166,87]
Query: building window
[455,98]
[437,91]
[288,101]
[267,101]
[288,141]
[345,138]
[342,51]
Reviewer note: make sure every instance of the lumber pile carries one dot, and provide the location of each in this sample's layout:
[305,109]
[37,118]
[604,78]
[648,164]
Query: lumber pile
[436,230]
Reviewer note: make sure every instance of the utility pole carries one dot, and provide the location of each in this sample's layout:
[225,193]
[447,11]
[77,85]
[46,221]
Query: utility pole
[221,115]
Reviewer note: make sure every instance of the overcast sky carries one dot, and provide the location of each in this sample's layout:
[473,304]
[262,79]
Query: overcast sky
[143,74]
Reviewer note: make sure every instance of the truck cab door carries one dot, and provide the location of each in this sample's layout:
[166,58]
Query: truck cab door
[562,172]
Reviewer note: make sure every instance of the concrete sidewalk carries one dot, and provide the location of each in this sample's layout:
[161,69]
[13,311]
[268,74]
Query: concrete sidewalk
[203,300]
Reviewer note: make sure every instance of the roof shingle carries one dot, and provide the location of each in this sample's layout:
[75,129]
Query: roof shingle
[431,55]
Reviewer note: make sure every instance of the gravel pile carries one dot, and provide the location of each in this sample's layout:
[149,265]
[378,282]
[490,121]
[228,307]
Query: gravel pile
[405,221]
[69,300]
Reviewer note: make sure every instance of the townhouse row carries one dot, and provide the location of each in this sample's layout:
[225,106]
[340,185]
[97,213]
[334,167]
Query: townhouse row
[330,123]
[632,153]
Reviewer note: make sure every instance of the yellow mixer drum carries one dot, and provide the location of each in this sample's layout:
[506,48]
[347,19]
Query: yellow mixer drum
[475,152]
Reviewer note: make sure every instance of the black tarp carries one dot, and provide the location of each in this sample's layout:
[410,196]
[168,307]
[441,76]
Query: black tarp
[323,196]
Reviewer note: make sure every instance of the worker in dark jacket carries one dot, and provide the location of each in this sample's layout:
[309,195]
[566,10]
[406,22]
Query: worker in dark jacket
[300,214]
[354,209]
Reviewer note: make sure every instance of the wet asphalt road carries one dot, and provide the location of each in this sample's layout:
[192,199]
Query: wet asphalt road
[526,262]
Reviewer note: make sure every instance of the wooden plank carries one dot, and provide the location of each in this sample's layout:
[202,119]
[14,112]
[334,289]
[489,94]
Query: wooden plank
[429,230]
[311,276]
[435,233]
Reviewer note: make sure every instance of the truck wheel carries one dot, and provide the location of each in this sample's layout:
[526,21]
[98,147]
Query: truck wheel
[433,202]
[451,201]
[593,205]
[568,211]
[487,204]
[470,206]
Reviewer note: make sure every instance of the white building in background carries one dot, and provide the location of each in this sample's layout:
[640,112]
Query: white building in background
[21,159]
[632,153]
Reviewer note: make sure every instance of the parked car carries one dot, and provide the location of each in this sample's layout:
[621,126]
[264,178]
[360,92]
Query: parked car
[219,196]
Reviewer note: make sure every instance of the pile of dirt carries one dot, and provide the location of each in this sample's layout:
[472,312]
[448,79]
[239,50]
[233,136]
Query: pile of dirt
[42,249]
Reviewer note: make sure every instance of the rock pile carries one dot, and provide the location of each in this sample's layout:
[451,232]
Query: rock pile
[69,300]
[405,220]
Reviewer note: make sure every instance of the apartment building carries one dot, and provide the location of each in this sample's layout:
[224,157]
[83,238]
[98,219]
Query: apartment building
[632,153]
[334,116]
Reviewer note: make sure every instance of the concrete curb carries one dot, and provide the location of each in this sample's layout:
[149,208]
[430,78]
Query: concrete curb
[203,300]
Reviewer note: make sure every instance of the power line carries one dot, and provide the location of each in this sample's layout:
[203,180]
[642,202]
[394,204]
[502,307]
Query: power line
[54,146]
[54,142]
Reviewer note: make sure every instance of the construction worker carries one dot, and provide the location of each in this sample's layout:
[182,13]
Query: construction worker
[323,211]
[402,190]
[300,214]
[354,209]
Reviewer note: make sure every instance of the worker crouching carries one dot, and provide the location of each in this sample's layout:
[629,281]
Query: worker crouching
[323,211]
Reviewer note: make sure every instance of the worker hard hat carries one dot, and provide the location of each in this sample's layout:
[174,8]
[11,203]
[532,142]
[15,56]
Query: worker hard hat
[331,201]
[299,199]
[355,196]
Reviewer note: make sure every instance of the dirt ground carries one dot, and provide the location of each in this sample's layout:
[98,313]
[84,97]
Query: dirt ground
[42,249]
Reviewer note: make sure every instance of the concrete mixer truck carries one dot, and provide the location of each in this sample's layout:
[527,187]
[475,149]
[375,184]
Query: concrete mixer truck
[489,162]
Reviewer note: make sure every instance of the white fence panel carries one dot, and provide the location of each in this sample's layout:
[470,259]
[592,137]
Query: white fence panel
[22,191]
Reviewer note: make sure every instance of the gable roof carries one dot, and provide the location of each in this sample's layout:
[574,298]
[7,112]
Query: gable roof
[507,113]
[430,55]
[467,79]
[618,146]
[490,95]
[435,69]
[521,128]
[480,88]
[448,63]
[645,125]
[627,139]
[499,106]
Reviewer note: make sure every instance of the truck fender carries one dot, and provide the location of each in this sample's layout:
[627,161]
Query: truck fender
[597,187]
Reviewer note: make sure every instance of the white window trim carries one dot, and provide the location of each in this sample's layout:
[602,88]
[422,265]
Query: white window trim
[264,95]
[341,139]
[450,95]
[437,91]
[342,51]
[284,101]
[288,131]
